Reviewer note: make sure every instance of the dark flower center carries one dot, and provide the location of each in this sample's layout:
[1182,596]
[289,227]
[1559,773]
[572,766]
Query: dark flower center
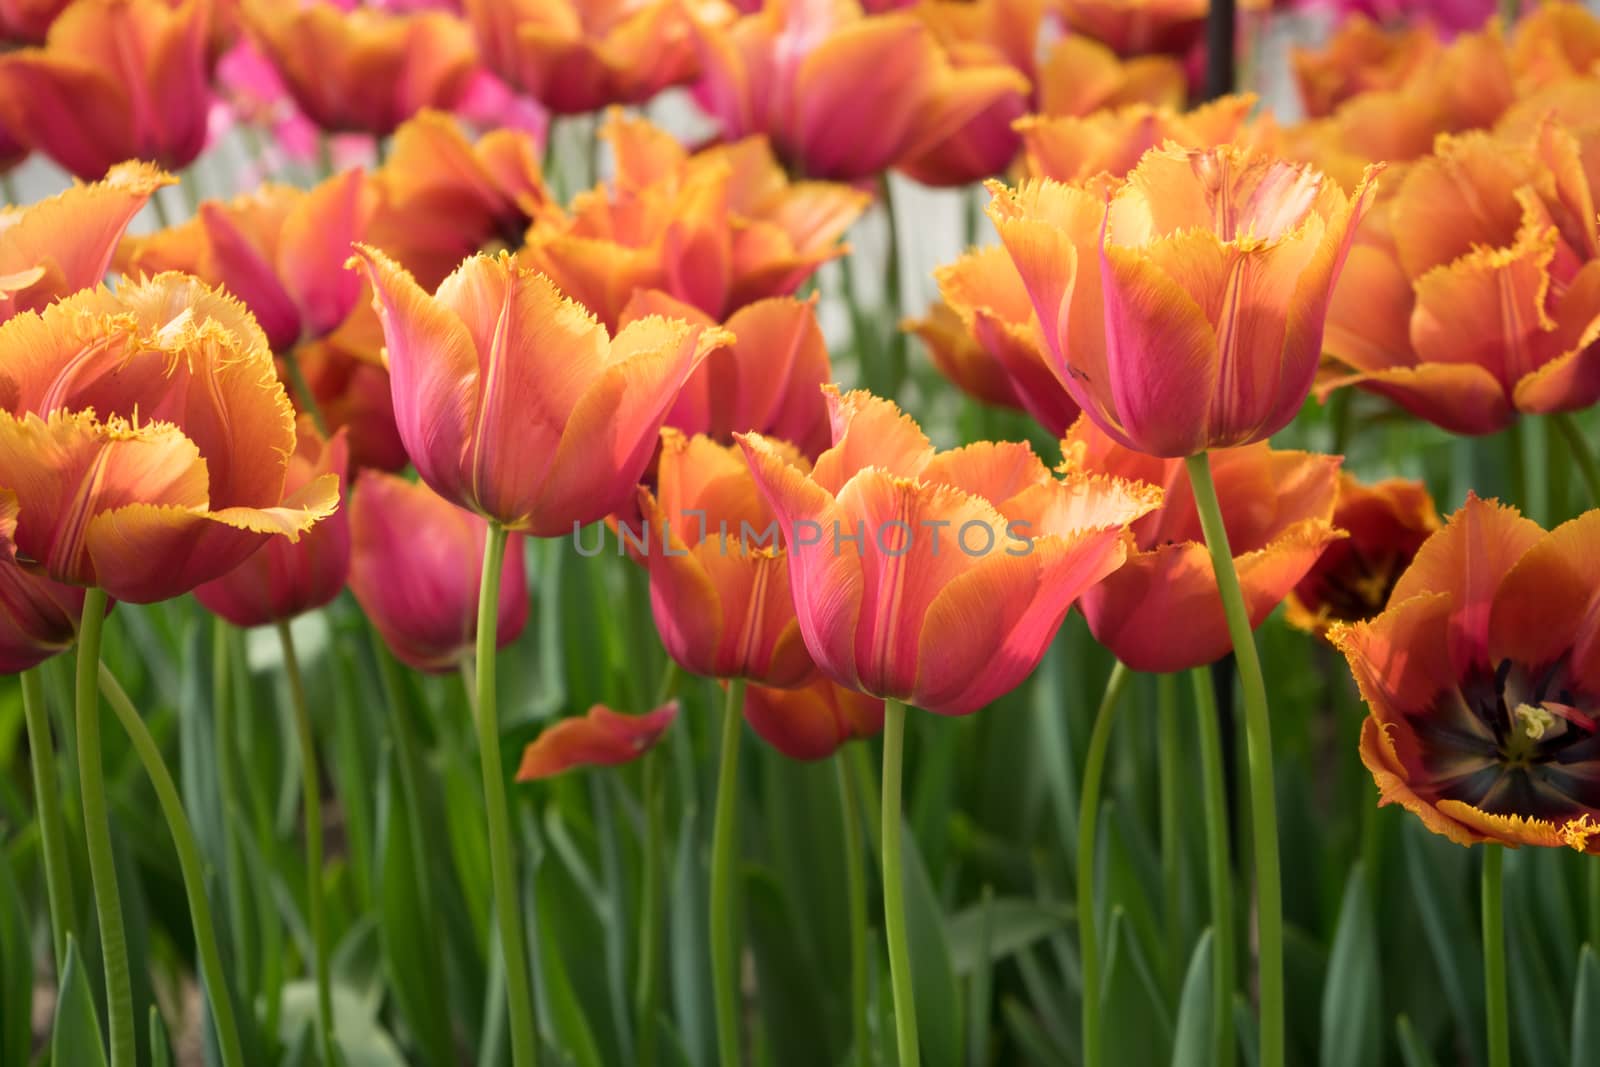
[1513,741]
[1355,584]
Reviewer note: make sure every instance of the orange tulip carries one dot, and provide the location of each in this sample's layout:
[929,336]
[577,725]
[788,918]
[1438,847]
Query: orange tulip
[986,295]
[767,380]
[1475,295]
[1361,57]
[28,20]
[145,440]
[352,391]
[600,738]
[840,94]
[514,403]
[814,721]
[718,229]
[575,56]
[55,247]
[444,197]
[1073,148]
[114,80]
[936,579]
[38,617]
[279,249]
[1481,682]
[1185,308]
[1387,523]
[416,563]
[1555,43]
[1080,76]
[283,580]
[719,582]
[1162,612]
[960,358]
[367,70]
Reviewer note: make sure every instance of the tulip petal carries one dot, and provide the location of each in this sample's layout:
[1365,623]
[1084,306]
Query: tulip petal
[1369,317]
[1549,604]
[1377,752]
[813,721]
[1460,397]
[869,432]
[1467,560]
[601,738]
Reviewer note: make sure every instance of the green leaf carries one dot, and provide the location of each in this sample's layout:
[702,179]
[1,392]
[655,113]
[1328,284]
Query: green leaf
[933,977]
[75,1038]
[1586,1010]
[160,1047]
[1138,1028]
[980,988]
[16,970]
[788,987]
[1412,1050]
[1193,1038]
[1439,888]
[989,932]
[1352,1000]
[567,1016]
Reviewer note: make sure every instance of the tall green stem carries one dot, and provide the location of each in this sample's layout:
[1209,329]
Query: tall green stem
[97,834]
[647,985]
[895,351]
[856,888]
[311,792]
[1219,865]
[1169,760]
[1258,735]
[224,717]
[189,865]
[1494,957]
[894,888]
[1094,766]
[1582,455]
[52,828]
[724,858]
[507,901]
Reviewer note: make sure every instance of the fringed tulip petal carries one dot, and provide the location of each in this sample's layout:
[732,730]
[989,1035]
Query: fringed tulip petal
[600,738]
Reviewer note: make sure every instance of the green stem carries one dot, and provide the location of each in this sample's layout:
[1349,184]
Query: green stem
[894,891]
[1219,866]
[1094,766]
[1258,734]
[97,834]
[302,391]
[1593,870]
[52,828]
[856,886]
[163,214]
[1494,957]
[647,985]
[1582,455]
[724,908]
[1170,759]
[212,975]
[224,713]
[311,792]
[896,349]
[507,901]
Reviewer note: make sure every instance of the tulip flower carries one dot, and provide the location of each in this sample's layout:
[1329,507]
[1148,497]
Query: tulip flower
[1554,44]
[719,582]
[351,389]
[279,249]
[1080,76]
[414,568]
[1475,296]
[55,247]
[1073,148]
[1446,16]
[894,599]
[599,738]
[444,198]
[575,56]
[1185,310]
[1360,57]
[718,229]
[1161,611]
[1387,523]
[841,95]
[814,721]
[1139,27]
[28,20]
[114,80]
[365,70]
[145,440]
[38,617]
[985,293]
[466,364]
[961,359]
[768,379]
[282,580]
[1480,680]
[932,578]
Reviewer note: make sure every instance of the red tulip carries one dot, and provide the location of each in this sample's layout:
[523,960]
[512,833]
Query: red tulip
[416,562]
[38,617]
[813,721]
[601,738]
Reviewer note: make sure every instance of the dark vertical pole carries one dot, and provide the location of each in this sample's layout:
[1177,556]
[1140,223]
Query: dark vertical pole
[1220,31]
